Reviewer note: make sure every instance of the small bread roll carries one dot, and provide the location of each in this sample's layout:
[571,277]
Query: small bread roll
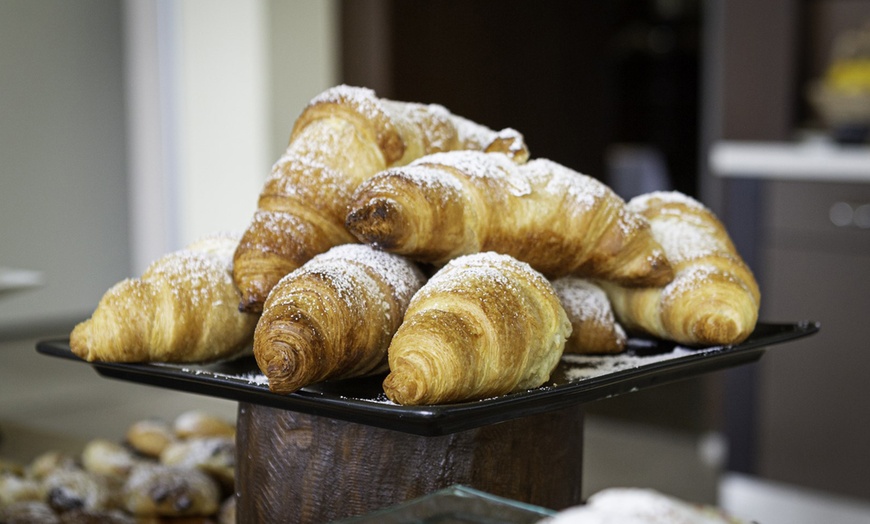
[105,457]
[150,437]
[197,423]
[48,463]
[14,488]
[78,489]
[158,490]
[215,456]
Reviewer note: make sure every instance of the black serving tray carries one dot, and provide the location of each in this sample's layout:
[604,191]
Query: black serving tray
[577,379]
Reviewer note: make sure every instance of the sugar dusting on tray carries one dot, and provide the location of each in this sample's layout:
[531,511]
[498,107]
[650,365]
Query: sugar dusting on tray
[575,367]
[380,398]
[255,378]
[580,367]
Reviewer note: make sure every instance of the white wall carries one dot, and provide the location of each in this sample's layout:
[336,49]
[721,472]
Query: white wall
[222,113]
[303,58]
[63,208]
[234,77]
[130,127]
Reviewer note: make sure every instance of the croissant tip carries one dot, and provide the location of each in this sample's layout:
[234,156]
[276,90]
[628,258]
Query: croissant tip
[79,340]
[281,372]
[662,274]
[403,392]
[510,142]
[717,328]
[375,222]
[251,305]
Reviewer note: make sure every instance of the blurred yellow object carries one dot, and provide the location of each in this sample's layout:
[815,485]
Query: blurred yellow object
[842,96]
[850,75]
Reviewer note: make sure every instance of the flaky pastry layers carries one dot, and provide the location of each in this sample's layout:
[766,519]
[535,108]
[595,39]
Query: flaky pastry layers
[344,136]
[713,299]
[334,317]
[184,308]
[557,220]
[484,325]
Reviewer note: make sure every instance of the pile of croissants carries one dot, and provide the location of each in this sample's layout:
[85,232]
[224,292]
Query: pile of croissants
[164,471]
[396,237]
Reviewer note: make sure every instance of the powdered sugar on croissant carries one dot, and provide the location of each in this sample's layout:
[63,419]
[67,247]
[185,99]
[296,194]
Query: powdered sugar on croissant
[184,308]
[557,220]
[334,317]
[486,324]
[713,299]
[344,136]
[595,329]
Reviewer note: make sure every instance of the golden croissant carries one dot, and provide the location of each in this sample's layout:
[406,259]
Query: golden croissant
[594,327]
[557,220]
[713,299]
[344,136]
[184,308]
[485,324]
[333,317]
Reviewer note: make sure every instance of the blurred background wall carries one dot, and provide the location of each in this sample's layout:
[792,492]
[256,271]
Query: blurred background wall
[63,180]
[130,128]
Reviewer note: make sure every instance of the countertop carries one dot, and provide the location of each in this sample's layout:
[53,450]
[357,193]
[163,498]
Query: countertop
[18,279]
[816,160]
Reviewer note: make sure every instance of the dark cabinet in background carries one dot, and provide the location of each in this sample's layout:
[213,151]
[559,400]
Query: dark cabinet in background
[813,412]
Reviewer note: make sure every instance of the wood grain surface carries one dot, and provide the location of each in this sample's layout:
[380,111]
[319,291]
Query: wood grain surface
[299,468]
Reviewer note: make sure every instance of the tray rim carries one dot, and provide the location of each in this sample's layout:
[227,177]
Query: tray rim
[436,420]
[430,506]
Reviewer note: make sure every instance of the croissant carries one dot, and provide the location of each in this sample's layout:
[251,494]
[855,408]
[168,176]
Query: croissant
[594,327]
[557,220]
[333,317]
[713,299]
[344,136]
[184,308]
[485,324]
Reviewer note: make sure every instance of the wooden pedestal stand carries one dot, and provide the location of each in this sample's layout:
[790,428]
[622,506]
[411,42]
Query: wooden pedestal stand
[297,468]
